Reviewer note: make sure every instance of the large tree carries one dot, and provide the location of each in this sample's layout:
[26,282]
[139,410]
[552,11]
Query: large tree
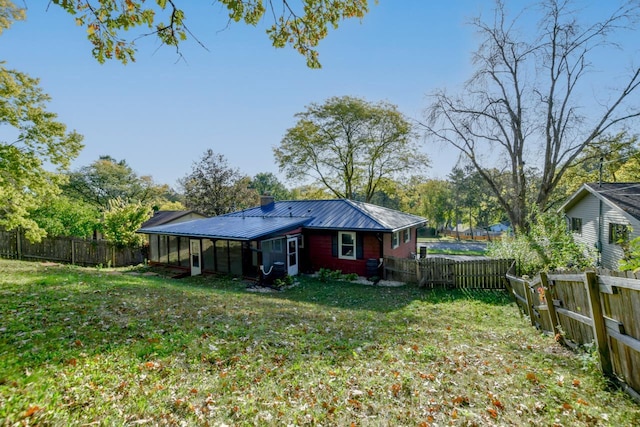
[612,158]
[300,24]
[215,188]
[350,146]
[33,143]
[268,183]
[526,103]
[108,179]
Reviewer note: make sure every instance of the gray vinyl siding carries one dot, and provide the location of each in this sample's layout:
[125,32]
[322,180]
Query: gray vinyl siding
[588,209]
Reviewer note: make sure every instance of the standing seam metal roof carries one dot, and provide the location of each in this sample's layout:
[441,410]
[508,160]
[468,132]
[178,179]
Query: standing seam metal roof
[261,221]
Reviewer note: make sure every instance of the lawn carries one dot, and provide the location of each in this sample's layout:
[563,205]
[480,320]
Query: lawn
[86,346]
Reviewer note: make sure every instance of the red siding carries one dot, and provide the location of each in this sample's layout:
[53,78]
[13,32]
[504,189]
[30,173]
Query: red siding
[405,250]
[319,253]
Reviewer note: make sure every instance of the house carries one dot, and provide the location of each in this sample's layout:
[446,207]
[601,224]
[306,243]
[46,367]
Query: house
[170,217]
[604,216]
[287,236]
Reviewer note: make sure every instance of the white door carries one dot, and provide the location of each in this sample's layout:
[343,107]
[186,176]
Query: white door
[196,257]
[292,256]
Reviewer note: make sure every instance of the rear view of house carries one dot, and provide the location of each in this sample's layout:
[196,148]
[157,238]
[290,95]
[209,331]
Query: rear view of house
[293,236]
[605,217]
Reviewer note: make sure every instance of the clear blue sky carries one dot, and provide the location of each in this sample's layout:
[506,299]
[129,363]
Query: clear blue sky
[239,97]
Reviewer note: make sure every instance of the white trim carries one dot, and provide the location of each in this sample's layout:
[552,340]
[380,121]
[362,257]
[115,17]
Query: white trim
[354,244]
[395,236]
[406,235]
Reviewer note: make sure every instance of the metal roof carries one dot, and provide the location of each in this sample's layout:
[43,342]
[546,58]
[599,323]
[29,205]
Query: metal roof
[228,227]
[278,217]
[337,214]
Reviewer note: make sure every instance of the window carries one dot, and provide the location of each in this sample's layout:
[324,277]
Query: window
[347,245]
[576,225]
[618,233]
[406,235]
[395,239]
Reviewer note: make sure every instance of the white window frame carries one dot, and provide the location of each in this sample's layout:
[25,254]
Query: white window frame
[406,235]
[353,236]
[395,239]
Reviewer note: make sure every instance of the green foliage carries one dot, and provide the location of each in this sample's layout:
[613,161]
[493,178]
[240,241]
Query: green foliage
[32,139]
[631,259]
[300,26]
[284,282]
[9,13]
[547,246]
[215,188]
[61,216]
[107,178]
[122,219]
[268,183]
[620,157]
[328,275]
[349,146]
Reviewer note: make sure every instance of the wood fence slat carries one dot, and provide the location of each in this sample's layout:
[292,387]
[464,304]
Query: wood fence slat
[67,249]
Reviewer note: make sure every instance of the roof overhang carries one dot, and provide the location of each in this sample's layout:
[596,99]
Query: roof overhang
[229,228]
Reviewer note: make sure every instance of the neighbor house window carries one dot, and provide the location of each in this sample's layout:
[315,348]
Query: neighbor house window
[618,233]
[347,245]
[406,235]
[395,239]
[576,225]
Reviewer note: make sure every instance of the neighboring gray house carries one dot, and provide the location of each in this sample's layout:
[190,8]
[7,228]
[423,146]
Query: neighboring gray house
[602,215]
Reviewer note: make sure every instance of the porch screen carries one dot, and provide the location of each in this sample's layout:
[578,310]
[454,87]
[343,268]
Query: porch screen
[184,252]
[222,256]
[235,257]
[173,250]
[208,260]
[153,248]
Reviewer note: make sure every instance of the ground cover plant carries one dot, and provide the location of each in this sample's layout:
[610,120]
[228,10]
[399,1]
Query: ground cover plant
[83,346]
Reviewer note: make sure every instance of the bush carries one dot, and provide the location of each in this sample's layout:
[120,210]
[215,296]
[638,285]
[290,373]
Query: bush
[328,275]
[547,246]
[631,259]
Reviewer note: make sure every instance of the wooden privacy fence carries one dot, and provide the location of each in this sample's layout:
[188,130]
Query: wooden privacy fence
[451,272]
[67,249]
[585,308]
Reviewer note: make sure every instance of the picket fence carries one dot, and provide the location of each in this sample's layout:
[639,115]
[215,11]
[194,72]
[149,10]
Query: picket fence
[594,307]
[449,271]
[68,250]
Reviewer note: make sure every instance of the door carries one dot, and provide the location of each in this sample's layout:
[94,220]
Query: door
[196,258]
[292,256]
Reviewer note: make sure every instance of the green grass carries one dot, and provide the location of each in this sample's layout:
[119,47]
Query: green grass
[81,346]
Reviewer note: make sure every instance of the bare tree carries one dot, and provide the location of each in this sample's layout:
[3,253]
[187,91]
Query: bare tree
[524,106]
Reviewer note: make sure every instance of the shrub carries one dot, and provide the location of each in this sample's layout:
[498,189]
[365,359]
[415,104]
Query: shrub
[549,245]
[631,259]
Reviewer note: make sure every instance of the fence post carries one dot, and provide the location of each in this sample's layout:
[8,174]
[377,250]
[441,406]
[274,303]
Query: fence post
[599,327]
[113,256]
[548,296]
[18,243]
[73,252]
[529,298]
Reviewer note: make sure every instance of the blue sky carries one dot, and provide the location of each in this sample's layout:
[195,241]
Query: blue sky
[239,97]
